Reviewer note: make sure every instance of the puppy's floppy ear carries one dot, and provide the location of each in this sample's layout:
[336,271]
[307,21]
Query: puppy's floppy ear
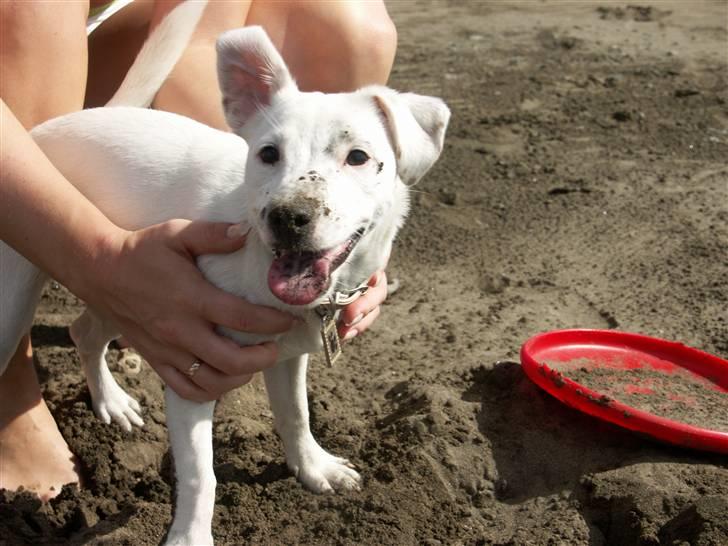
[250,71]
[417,125]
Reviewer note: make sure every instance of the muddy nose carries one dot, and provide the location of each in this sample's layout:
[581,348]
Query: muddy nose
[290,226]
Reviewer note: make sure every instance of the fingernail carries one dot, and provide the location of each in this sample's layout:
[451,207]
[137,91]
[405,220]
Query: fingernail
[351,334]
[375,280]
[238,230]
[357,320]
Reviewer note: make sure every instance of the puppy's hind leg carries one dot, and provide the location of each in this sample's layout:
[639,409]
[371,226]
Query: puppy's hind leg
[190,434]
[92,334]
[313,466]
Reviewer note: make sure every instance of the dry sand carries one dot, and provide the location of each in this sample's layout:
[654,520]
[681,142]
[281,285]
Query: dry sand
[583,184]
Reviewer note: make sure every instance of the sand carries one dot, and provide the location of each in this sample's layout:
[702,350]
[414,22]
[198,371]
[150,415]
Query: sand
[677,394]
[583,184]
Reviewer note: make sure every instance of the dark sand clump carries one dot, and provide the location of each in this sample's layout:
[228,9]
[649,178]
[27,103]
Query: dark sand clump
[678,395]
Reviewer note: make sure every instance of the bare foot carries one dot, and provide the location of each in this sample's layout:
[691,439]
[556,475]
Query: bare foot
[33,454]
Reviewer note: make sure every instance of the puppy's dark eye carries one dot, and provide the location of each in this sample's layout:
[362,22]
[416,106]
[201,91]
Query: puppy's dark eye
[269,154]
[356,158]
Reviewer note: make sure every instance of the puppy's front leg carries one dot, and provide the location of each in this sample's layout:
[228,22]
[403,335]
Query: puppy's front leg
[190,434]
[312,465]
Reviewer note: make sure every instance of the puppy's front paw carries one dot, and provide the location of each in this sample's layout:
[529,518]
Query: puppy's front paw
[322,472]
[113,403]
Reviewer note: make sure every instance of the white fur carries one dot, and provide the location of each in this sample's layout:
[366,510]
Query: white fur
[165,46]
[141,167]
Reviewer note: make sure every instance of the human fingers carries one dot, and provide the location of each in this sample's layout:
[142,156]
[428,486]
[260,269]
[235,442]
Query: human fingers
[193,336]
[214,383]
[183,385]
[199,383]
[175,327]
[194,293]
[350,332]
[200,237]
[168,363]
[172,365]
[226,356]
[189,341]
[355,312]
[224,309]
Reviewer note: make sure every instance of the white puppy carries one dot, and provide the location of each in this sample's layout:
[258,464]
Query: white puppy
[320,178]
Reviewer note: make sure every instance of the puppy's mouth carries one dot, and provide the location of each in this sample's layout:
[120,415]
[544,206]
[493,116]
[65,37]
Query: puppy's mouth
[299,277]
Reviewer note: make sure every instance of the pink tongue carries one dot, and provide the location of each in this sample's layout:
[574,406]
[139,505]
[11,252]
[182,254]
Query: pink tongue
[298,279]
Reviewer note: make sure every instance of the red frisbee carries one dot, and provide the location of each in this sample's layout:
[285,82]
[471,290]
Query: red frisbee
[664,389]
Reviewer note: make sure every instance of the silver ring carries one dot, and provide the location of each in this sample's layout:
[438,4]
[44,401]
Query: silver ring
[192,370]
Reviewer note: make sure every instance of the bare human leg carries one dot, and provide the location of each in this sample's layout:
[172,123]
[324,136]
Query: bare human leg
[43,47]
[329,46]
[332,47]
[33,454]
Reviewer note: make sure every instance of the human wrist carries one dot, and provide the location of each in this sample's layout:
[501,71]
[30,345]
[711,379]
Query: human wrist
[44,217]
[91,264]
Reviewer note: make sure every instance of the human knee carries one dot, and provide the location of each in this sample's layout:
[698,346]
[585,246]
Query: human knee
[370,36]
[331,46]
[364,38]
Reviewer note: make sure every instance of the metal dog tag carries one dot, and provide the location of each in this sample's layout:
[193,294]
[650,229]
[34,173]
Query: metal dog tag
[330,338]
[327,313]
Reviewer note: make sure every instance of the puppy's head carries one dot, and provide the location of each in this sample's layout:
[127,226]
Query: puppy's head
[326,173]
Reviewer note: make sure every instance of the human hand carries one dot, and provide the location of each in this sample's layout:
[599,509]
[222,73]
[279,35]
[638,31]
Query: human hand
[359,315]
[148,284]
